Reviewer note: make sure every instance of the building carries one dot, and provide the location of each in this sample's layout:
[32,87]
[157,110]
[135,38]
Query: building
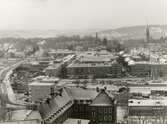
[94,60]
[76,121]
[54,70]
[97,107]
[60,53]
[38,65]
[97,70]
[154,58]
[30,121]
[38,54]
[148,107]
[20,55]
[147,69]
[136,58]
[103,109]
[147,33]
[140,69]
[39,91]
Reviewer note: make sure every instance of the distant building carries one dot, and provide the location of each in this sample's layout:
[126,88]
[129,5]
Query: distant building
[76,121]
[39,91]
[53,70]
[29,121]
[38,54]
[60,53]
[20,55]
[147,107]
[98,70]
[154,58]
[148,38]
[94,60]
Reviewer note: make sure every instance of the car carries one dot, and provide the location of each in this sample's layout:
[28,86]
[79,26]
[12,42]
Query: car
[146,84]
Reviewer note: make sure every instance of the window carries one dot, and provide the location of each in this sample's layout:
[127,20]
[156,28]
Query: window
[87,108]
[81,108]
[81,115]
[100,117]
[110,110]
[105,118]
[93,114]
[110,117]
[93,108]
[100,110]
[105,110]
[75,115]
[75,108]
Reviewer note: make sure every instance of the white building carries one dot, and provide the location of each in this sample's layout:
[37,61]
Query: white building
[19,55]
[39,91]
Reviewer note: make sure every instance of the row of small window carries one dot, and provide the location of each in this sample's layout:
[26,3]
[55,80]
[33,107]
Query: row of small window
[76,115]
[103,110]
[101,118]
[76,108]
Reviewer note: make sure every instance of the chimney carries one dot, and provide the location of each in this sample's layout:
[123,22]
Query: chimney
[79,122]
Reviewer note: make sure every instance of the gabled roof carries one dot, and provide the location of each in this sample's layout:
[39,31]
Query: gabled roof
[103,99]
[46,109]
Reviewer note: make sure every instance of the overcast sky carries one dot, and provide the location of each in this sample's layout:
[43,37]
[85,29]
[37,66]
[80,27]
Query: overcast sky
[80,14]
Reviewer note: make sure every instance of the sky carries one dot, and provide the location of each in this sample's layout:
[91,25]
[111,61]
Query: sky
[80,14]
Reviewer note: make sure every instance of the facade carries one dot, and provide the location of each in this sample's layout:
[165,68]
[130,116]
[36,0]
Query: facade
[60,53]
[38,66]
[154,58]
[77,104]
[147,107]
[19,55]
[29,121]
[53,70]
[103,109]
[140,69]
[38,54]
[147,69]
[95,60]
[97,70]
[39,91]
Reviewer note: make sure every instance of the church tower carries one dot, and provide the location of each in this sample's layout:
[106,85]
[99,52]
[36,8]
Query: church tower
[147,34]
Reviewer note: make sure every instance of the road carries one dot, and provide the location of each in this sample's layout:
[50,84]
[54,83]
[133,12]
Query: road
[6,90]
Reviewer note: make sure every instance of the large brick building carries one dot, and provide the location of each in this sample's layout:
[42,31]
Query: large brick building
[147,69]
[98,70]
[98,107]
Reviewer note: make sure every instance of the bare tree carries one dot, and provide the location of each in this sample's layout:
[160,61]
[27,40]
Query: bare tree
[159,114]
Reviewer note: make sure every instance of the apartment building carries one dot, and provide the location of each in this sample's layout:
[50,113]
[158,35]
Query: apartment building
[39,91]
[147,69]
[100,70]
[148,107]
[53,70]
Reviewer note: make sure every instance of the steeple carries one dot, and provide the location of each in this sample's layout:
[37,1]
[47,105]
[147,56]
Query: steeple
[147,34]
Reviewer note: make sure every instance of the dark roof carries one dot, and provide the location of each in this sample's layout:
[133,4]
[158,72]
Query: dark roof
[55,103]
[103,99]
